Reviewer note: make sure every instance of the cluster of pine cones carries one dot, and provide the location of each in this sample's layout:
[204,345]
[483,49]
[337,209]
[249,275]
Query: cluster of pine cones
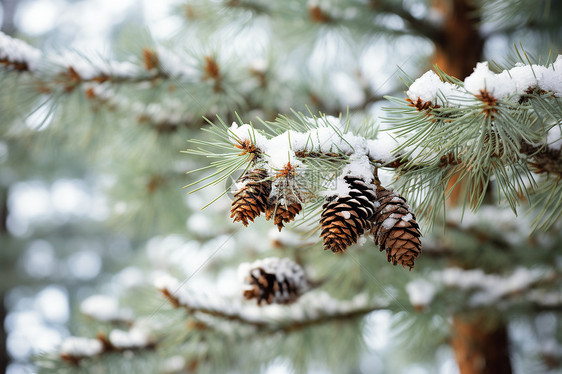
[367,208]
[254,196]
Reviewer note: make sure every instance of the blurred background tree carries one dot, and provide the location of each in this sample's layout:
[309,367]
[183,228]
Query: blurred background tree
[91,177]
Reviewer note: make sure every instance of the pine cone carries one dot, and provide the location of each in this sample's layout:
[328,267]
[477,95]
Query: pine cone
[282,211]
[345,218]
[250,200]
[273,280]
[395,229]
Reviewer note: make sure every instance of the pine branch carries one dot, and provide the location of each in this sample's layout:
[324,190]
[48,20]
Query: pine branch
[17,55]
[271,321]
[475,130]
[76,349]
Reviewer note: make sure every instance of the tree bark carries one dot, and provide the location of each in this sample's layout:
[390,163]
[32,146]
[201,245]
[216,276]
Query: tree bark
[480,345]
[459,45]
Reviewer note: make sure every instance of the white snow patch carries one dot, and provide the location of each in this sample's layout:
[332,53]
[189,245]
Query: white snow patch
[554,137]
[491,287]
[359,166]
[381,148]
[91,67]
[483,79]
[81,347]
[408,217]
[18,51]
[167,282]
[421,292]
[104,308]
[508,84]
[430,88]
[389,222]
[134,338]
[362,240]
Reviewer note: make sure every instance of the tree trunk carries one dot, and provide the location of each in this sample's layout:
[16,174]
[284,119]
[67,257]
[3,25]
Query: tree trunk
[481,346]
[459,46]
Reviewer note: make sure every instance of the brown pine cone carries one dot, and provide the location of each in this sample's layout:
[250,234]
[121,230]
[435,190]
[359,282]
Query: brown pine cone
[250,200]
[282,212]
[273,280]
[345,218]
[395,229]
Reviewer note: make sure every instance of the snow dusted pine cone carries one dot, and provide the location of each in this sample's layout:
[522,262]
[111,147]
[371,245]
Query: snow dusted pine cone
[345,218]
[282,210]
[395,229]
[273,280]
[251,196]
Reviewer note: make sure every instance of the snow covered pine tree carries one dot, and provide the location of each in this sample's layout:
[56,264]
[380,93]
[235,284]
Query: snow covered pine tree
[468,146]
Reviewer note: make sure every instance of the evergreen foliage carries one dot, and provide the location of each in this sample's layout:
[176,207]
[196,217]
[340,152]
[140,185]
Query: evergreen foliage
[282,105]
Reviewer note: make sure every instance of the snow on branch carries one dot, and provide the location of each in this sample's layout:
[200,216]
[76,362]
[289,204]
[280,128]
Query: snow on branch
[105,309]
[488,289]
[314,160]
[326,136]
[75,349]
[312,309]
[18,55]
[164,117]
[492,127]
[273,280]
[512,84]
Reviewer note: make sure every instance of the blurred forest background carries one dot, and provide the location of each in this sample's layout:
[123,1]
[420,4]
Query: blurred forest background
[92,209]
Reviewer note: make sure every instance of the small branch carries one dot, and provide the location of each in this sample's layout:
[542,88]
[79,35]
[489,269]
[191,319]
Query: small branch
[76,349]
[419,26]
[72,79]
[266,323]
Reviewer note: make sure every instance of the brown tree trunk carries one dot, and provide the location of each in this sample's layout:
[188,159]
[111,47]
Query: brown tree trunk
[481,346]
[459,45]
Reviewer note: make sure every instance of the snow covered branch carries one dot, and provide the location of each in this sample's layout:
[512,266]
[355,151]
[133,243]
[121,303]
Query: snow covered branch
[18,55]
[512,85]
[317,309]
[503,127]
[75,349]
[106,309]
[317,161]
